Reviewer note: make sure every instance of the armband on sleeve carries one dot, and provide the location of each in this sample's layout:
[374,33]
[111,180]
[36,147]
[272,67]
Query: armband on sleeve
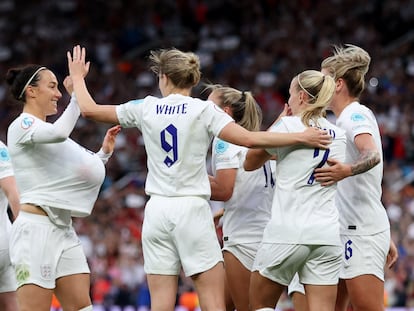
[104,156]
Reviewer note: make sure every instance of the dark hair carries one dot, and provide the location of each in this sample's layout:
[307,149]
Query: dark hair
[20,77]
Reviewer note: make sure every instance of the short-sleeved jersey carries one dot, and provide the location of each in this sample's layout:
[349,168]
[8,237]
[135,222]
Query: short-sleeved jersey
[303,211]
[359,196]
[61,175]
[177,131]
[247,212]
[6,170]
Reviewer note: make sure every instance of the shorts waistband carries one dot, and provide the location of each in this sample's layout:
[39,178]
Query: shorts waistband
[34,217]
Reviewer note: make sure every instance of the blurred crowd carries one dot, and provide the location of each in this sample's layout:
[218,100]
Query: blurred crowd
[250,45]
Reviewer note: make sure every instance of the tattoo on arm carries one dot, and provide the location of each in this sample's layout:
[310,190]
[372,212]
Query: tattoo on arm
[367,160]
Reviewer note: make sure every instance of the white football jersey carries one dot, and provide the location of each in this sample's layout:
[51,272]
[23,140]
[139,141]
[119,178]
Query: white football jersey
[359,196]
[303,211]
[247,212]
[61,175]
[6,170]
[177,131]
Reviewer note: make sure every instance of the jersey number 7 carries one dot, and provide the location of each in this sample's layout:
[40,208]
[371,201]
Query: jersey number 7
[311,179]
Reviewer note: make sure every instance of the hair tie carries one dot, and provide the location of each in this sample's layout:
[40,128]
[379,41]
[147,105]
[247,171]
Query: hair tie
[243,96]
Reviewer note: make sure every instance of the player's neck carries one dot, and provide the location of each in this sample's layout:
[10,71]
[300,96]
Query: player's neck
[184,92]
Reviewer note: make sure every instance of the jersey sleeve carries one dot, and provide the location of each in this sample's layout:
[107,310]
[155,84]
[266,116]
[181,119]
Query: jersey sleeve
[278,127]
[130,113]
[6,168]
[103,156]
[215,118]
[58,131]
[226,155]
[356,122]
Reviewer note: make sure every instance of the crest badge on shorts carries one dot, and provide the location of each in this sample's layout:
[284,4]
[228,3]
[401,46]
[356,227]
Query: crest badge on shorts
[46,271]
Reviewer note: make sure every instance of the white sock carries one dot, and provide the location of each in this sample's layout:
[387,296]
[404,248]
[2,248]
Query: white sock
[88,308]
[265,309]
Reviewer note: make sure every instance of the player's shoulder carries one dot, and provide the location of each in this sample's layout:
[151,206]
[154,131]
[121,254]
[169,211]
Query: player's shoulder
[223,147]
[355,112]
[2,145]
[291,123]
[24,122]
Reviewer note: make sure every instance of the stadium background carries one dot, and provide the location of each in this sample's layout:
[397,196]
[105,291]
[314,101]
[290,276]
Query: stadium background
[251,45]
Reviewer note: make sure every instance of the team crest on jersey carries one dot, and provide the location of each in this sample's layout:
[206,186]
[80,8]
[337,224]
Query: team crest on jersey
[221,146]
[27,122]
[4,155]
[357,117]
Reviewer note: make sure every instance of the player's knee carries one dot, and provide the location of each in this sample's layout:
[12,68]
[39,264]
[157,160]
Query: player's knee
[88,308]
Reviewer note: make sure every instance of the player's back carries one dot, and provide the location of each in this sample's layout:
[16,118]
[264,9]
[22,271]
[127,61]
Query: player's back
[303,211]
[177,132]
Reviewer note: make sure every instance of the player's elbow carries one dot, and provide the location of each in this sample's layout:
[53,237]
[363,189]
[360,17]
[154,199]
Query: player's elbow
[227,196]
[252,161]
[377,159]
[224,195]
[373,158]
[249,142]
[248,166]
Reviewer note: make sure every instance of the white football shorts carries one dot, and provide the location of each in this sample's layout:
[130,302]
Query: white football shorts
[179,232]
[315,264]
[42,252]
[364,254]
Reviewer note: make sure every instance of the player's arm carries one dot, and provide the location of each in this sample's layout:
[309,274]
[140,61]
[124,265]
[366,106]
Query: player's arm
[222,184]
[256,158]
[217,216]
[61,129]
[108,144]
[392,255]
[88,107]
[238,135]
[9,186]
[369,157]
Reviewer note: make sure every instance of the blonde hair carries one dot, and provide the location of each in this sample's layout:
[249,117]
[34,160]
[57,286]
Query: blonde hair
[245,110]
[320,89]
[349,63]
[182,68]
